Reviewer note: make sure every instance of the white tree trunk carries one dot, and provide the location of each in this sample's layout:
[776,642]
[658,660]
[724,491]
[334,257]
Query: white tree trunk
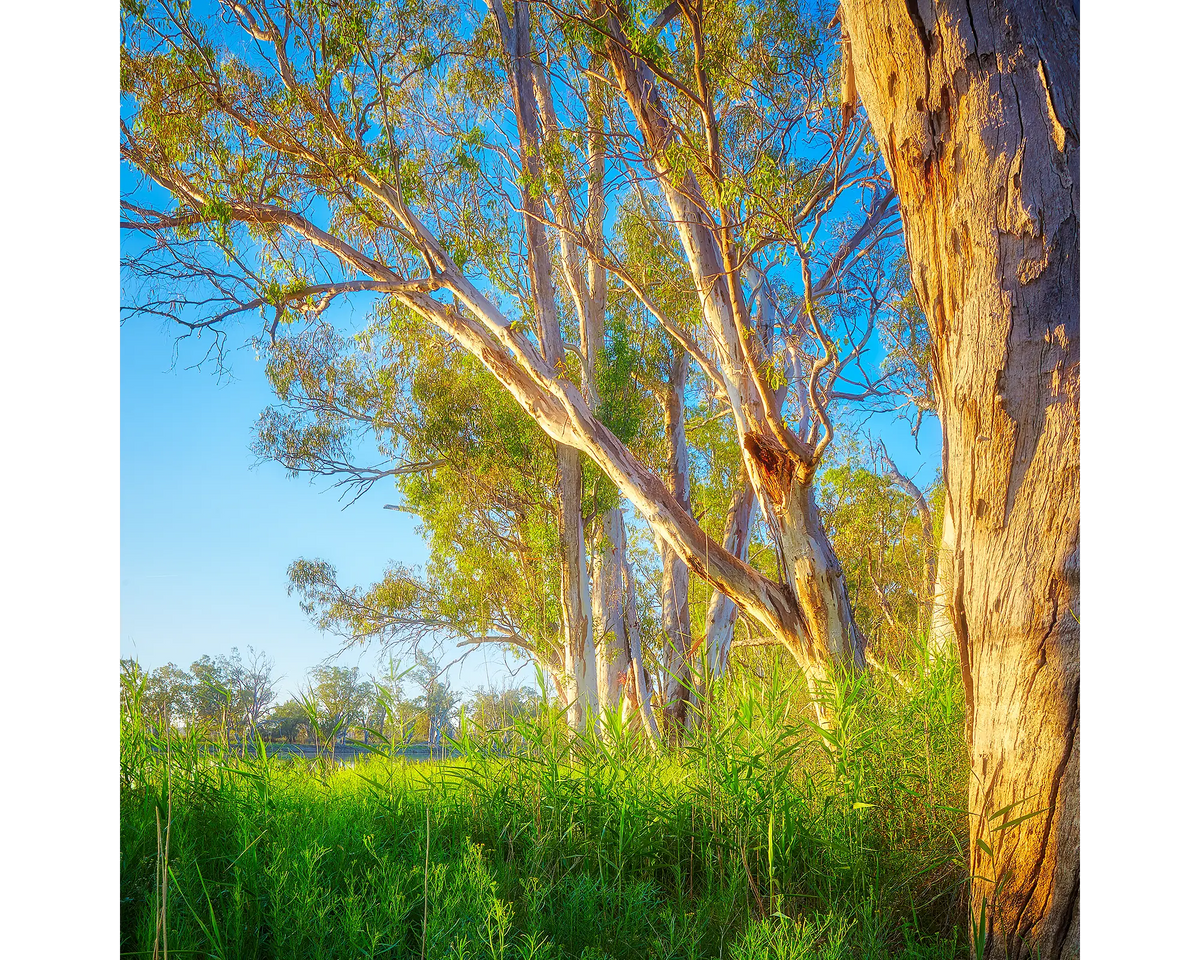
[623,679]
[722,611]
[942,639]
[781,466]
[676,613]
[578,638]
[608,616]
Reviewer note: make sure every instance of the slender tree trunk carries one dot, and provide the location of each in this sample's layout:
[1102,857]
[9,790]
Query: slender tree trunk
[815,575]
[608,617]
[623,679]
[676,613]
[942,639]
[933,614]
[722,611]
[579,644]
[975,107]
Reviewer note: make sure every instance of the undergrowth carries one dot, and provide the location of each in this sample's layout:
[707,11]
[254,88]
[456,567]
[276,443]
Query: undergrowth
[761,836]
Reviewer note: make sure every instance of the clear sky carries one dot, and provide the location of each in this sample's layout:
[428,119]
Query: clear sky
[207,535]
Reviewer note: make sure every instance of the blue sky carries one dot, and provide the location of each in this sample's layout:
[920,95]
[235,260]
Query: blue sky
[207,535]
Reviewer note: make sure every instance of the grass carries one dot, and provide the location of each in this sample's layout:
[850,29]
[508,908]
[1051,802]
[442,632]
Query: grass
[761,837]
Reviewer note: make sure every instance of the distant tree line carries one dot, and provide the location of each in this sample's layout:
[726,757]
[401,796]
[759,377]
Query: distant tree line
[231,699]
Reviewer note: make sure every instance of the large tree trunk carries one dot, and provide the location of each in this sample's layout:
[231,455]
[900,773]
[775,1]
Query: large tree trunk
[975,107]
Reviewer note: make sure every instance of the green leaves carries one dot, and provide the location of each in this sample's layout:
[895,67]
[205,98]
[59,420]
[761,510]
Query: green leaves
[880,541]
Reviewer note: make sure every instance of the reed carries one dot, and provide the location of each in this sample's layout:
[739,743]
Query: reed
[762,836]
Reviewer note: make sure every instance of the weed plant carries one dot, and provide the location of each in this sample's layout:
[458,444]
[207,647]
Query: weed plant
[761,836]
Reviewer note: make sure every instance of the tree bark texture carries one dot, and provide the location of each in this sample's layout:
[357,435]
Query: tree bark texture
[722,613]
[976,108]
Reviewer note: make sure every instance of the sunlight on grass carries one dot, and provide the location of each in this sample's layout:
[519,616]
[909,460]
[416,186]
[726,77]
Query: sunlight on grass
[762,837]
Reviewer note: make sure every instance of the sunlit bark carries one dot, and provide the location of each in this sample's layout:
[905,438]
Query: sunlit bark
[976,109]
[678,691]
[375,236]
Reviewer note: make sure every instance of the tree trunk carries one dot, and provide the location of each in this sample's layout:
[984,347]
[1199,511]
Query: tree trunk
[579,645]
[721,616]
[676,614]
[722,611]
[935,616]
[608,617]
[623,680]
[976,110]
[942,639]
[780,464]
[578,639]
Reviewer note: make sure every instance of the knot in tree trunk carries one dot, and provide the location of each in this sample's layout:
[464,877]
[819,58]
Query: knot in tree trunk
[777,465]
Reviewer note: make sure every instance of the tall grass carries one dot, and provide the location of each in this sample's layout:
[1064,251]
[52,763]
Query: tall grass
[763,836]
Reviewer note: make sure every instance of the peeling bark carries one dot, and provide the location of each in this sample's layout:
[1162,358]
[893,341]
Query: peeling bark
[976,109]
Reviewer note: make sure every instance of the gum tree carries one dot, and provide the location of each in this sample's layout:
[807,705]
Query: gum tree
[976,109]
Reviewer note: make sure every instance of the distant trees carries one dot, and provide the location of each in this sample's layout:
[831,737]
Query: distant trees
[228,700]
[337,698]
[225,695]
[168,695]
[437,700]
[497,709]
[288,722]
[255,681]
